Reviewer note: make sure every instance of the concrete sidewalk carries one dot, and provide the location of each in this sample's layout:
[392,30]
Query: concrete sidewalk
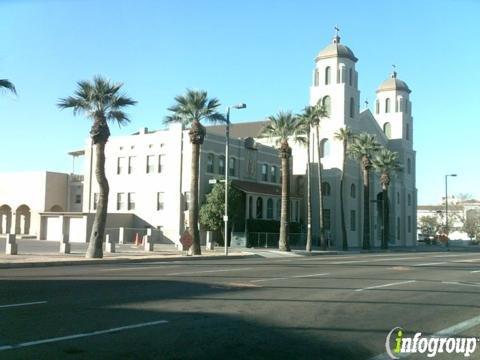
[33,253]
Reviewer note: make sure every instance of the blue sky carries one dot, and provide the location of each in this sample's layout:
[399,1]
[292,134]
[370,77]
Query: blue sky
[257,52]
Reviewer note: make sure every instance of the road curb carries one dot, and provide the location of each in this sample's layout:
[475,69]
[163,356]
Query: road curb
[120,261]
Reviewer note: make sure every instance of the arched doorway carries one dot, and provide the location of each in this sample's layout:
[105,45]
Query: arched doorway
[22,220]
[5,219]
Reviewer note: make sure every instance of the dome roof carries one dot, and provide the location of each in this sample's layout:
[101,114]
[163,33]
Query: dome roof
[393,83]
[335,49]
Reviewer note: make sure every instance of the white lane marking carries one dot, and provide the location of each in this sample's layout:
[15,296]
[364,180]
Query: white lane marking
[467,260]
[451,255]
[23,304]
[429,264]
[310,275]
[349,262]
[475,271]
[459,283]
[137,268]
[386,285]
[271,279]
[291,277]
[207,271]
[377,260]
[82,335]
[448,332]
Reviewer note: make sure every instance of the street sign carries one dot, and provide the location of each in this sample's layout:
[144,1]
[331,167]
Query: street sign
[225,217]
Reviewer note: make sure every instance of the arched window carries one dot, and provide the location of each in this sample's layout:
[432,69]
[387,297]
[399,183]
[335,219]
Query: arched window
[324,148]
[210,163]
[279,208]
[327,75]
[326,189]
[409,199]
[269,209]
[316,79]
[377,107]
[352,107]
[264,172]
[259,208]
[350,76]
[221,165]
[387,105]
[409,166]
[326,102]
[231,166]
[398,198]
[387,129]
[407,132]
[353,191]
[401,104]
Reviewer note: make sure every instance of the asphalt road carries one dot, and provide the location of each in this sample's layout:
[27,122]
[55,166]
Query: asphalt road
[318,307]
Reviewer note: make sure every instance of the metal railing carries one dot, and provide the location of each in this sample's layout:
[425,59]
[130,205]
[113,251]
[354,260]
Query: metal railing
[270,240]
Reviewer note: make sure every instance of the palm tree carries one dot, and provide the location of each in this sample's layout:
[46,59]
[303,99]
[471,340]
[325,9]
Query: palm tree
[190,110]
[345,136]
[320,112]
[308,120]
[386,163]
[6,84]
[362,149]
[101,101]
[282,127]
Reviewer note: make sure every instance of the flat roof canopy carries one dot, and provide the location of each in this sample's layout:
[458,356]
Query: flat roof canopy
[77,153]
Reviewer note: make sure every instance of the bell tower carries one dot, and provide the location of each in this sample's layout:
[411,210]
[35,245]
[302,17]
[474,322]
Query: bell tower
[393,110]
[335,83]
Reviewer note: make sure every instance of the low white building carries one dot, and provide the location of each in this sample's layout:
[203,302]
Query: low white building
[24,196]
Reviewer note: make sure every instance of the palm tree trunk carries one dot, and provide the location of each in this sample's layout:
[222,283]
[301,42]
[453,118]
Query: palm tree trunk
[309,200]
[386,220]
[193,208]
[366,209]
[95,246]
[284,215]
[342,205]
[323,245]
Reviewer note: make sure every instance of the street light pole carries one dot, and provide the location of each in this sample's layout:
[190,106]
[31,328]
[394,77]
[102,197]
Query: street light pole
[227,169]
[446,205]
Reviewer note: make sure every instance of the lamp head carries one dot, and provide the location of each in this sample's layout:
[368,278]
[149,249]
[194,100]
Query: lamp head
[240,106]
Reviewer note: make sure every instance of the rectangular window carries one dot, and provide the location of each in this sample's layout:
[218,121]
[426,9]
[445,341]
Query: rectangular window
[186,200]
[231,167]
[210,163]
[131,201]
[150,164]
[160,200]
[78,199]
[95,201]
[264,172]
[273,174]
[221,165]
[353,221]
[120,201]
[131,164]
[120,165]
[326,219]
[160,163]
